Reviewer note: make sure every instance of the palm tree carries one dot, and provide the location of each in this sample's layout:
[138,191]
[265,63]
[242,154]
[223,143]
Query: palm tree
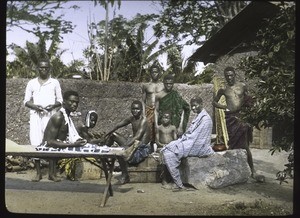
[128,53]
[183,71]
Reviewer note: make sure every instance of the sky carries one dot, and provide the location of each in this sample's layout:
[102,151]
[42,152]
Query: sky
[75,42]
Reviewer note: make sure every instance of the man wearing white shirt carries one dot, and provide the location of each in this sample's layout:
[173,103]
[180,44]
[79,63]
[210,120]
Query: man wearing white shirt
[43,96]
[195,142]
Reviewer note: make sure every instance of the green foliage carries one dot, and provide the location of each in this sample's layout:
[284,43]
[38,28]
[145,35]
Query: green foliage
[130,55]
[273,69]
[26,59]
[25,64]
[183,72]
[205,77]
[38,17]
[105,3]
[191,20]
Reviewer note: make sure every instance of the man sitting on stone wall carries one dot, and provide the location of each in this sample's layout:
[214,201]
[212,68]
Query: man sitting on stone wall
[195,142]
[60,132]
[138,144]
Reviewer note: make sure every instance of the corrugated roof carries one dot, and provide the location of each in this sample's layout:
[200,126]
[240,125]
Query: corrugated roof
[240,29]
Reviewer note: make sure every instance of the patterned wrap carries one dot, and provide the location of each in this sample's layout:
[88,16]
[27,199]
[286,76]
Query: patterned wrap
[151,121]
[240,133]
[195,142]
[176,104]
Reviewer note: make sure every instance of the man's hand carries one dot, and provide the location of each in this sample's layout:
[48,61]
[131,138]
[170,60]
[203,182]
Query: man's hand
[80,142]
[50,107]
[39,108]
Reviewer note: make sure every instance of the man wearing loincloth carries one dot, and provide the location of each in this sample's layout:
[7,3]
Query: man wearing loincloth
[236,95]
[149,90]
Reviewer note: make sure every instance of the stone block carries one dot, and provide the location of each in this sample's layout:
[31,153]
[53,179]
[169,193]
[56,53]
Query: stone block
[84,170]
[216,171]
[147,171]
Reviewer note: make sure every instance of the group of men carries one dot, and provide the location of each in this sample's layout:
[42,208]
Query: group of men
[159,121]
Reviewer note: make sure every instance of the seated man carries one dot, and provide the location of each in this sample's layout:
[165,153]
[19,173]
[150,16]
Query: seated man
[140,138]
[68,164]
[91,119]
[195,142]
[60,132]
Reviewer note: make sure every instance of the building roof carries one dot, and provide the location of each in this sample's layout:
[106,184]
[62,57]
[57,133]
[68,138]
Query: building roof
[240,29]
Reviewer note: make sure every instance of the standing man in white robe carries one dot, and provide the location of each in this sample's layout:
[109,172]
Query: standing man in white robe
[43,96]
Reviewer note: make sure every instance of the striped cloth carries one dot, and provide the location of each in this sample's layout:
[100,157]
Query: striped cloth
[195,142]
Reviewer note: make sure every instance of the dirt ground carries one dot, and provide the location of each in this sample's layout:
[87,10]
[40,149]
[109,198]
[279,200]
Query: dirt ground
[84,197]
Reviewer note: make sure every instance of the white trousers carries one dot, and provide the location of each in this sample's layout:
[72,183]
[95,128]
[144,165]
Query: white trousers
[38,123]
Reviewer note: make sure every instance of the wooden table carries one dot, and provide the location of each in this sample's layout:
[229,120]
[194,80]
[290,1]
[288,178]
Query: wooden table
[107,161]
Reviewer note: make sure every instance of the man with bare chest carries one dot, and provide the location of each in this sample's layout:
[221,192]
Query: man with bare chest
[236,95]
[166,132]
[170,100]
[149,92]
[140,136]
[60,132]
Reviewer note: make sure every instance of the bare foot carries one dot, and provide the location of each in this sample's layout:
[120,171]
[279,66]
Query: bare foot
[260,178]
[54,178]
[128,153]
[37,178]
[169,186]
[179,189]
[123,180]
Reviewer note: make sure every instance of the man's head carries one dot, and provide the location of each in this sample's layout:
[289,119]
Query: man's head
[196,104]
[91,119]
[229,75]
[168,82]
[166,118]
[136,108]
[155,72]
[71,100]
[44,68]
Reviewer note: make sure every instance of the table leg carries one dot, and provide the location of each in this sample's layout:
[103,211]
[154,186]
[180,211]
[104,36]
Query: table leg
[108,168]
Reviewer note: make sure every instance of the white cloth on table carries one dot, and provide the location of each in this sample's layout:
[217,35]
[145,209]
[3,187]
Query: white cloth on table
[87,148]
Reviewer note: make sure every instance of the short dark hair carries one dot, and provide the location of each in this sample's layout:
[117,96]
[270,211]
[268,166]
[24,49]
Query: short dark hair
[155,65]
[169,77]
[44,60]
[197,99]
[68,93]
[229,69]
[166,112]
[137,102]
